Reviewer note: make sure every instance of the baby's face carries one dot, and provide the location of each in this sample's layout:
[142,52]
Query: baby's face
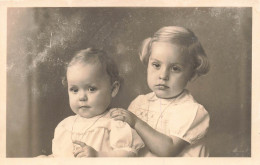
[89,89]
[168,70]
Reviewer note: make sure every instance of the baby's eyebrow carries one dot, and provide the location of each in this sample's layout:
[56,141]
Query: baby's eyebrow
[71,85]
[155,59]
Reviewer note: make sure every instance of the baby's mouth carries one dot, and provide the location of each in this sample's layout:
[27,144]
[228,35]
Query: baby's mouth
[84,107]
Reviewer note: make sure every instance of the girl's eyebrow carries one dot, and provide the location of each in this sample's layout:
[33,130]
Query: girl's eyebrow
[171,64]
[176,64]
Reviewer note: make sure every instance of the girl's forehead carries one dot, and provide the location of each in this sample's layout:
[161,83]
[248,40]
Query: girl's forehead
[168,52]
[166,48]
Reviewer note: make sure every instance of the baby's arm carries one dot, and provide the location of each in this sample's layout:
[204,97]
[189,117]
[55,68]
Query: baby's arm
[87,151]
[158,143]
[116,153]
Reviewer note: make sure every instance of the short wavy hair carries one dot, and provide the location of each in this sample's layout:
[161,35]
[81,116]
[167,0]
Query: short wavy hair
[93,56]
[182,37]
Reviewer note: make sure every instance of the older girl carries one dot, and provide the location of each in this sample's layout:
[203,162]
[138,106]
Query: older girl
[169,120]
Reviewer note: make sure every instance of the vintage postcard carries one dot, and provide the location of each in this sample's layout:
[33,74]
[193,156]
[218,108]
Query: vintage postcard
[167,82]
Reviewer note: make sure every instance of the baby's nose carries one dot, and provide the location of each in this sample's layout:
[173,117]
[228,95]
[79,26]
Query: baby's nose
[83,96]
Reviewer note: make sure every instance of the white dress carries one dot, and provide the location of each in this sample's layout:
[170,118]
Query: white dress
[181,117]
[100,132]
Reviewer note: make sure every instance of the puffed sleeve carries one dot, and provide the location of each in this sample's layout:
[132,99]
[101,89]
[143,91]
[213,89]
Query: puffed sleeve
[55,141]
[123,137]
[190,123]
[61,143]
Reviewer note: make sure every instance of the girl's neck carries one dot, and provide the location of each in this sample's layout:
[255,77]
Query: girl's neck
[174,97]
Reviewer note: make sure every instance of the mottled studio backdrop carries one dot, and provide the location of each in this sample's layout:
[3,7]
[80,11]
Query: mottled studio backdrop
[41,40]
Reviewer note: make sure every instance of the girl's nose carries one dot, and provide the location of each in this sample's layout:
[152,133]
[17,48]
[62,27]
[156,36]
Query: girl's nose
[83,96]
[164,75]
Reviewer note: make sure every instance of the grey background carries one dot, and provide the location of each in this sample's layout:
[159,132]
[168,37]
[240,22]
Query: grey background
[41,40]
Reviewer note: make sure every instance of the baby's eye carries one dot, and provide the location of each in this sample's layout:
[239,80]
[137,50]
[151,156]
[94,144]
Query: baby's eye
[74,90]
[175,68]
[156,65]
[92,89]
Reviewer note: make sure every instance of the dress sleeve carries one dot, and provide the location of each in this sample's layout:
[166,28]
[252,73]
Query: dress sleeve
[123,137]
[136,104]
[61,139]
[55,141]
[190,123]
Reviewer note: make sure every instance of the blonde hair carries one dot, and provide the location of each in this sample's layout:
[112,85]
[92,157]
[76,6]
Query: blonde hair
[182,37]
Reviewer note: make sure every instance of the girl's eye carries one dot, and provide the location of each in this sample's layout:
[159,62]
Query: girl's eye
[74,90]
[176,69]
[156,65]
[92,89]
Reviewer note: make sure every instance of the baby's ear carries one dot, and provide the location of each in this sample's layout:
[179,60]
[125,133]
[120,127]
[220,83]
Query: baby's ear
[115,88]
[64,81]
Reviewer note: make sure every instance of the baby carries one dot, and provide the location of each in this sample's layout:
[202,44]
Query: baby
[93,80]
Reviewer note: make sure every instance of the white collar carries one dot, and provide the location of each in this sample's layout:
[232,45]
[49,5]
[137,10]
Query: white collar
[183,96]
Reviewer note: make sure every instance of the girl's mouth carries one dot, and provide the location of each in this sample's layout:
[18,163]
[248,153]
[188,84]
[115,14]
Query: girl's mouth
[162,86]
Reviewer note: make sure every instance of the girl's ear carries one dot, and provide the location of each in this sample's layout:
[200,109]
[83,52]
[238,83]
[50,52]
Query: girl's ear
[115,88]
[193,77]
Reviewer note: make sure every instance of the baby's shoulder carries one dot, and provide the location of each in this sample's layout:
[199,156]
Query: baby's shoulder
[66,123]
[115,123]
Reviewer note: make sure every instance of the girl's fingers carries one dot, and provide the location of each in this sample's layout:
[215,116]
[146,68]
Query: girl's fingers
[117,112]
[121,118]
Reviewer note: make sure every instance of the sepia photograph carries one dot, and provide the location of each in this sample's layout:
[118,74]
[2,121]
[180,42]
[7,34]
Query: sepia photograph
[140,81]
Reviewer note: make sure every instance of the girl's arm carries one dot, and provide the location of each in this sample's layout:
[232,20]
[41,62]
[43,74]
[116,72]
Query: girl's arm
[158,143]
[87,151]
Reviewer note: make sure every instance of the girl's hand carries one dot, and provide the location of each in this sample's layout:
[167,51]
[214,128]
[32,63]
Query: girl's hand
[125,116]
[84,150]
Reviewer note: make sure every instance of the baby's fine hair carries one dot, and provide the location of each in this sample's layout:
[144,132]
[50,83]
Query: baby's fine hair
[95,56]
[182,37]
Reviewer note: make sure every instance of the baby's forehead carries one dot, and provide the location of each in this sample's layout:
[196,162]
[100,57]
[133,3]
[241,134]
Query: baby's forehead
[84,60]
[96,69]
[88,65]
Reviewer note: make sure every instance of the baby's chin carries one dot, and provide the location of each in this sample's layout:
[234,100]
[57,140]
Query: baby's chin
[84,115]
[87,115]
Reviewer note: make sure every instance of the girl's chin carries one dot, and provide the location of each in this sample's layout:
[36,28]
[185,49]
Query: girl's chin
[163,95]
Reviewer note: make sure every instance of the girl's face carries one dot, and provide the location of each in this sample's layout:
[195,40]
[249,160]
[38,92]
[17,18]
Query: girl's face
[168,70]
[89,89]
